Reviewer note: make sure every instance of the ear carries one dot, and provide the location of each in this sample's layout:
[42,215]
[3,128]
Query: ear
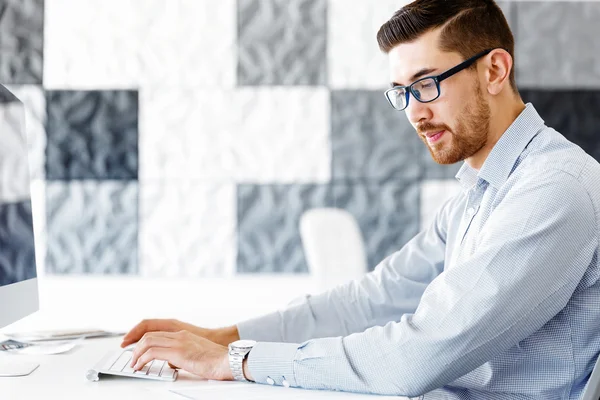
[498,64]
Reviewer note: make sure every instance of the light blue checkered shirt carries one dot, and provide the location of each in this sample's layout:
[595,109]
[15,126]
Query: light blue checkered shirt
[498,299]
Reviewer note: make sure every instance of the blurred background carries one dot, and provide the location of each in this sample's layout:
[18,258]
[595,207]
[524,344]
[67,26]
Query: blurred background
[176,144]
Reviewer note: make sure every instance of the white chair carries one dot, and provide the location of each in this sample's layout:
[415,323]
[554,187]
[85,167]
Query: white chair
[333,246]
[592,389]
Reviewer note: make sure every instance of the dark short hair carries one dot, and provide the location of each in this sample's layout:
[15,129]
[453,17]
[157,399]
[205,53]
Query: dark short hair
[469,26]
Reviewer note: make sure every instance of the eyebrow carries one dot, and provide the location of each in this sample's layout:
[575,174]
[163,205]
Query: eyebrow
[416,76]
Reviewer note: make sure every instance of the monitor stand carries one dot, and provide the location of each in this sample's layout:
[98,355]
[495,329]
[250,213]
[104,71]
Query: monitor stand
[10,366]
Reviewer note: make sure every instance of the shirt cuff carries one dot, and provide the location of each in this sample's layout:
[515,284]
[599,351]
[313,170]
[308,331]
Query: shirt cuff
[273,363]
[262,329]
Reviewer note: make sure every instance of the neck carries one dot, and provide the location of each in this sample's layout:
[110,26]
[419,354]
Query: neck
[503,117]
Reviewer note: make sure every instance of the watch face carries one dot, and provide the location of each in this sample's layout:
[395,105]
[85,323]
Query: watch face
[244,344]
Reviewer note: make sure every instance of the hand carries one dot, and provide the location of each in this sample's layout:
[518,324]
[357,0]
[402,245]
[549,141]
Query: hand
[222,336]
[184,350]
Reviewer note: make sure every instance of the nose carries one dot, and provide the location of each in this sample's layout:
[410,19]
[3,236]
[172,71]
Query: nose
[417,111]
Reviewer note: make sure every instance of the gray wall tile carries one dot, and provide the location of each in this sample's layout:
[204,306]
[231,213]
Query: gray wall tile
[282,42]
[21,41]
[92,135]
[557,44]
[568,111]
[92,227]
[17,250]
[268,220]
[508,8]
[387,213]
[268,225]
[371,140]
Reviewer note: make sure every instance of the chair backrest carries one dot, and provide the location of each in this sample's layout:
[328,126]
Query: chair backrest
[333,246]
[592,389]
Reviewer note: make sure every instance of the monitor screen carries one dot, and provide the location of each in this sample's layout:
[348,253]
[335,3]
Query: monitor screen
[18,277]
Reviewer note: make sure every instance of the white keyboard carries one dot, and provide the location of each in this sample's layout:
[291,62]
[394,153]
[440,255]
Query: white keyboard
[117,363]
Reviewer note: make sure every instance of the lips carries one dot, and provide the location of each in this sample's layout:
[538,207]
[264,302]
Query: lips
[434,136]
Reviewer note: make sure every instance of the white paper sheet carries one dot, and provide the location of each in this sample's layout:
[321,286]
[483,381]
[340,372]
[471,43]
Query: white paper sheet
[213,390]
[45,348]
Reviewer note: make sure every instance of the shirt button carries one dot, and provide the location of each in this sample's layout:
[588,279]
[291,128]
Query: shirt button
[270,381]
[471,211]
[285,383]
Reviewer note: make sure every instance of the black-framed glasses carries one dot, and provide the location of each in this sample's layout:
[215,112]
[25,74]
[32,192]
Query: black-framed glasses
[426,89]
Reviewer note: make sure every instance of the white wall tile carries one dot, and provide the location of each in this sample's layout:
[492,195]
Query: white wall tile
[187,229]
[128,43]
[249,135]
[354,58]
[434,193]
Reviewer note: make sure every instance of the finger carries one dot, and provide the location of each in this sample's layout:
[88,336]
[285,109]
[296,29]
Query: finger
[138,331]
[158,353]
[150,341]
[173,366]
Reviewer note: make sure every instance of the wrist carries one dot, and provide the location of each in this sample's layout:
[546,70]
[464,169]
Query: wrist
[246,370]
[224,336]
[227,373]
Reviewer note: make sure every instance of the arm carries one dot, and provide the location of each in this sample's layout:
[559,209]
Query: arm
[391,290]
[533,252]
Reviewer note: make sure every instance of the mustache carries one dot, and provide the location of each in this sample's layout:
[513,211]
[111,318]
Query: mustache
[428,127]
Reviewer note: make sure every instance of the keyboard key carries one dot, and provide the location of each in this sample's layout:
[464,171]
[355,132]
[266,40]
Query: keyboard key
[167,372]
[122,361]
[128,369]
[144,370]
[156,367]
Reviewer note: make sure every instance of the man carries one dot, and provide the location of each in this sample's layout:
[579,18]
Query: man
[498,299]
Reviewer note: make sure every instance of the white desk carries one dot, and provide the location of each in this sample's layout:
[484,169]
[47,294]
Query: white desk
[62,377]
[82,302]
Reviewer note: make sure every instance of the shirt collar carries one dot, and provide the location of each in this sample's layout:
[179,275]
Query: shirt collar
[501,160]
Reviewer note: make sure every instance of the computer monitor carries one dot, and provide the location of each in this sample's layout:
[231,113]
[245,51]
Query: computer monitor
[18,277]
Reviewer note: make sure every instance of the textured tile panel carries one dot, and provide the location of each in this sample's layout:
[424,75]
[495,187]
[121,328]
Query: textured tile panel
[387,213]
[557,44]
[17,256]
[249,135]
[570,113]
[187,229]
[92,135]
[92,228]
[21,41]
[268,226]
[124,43]
[282,42]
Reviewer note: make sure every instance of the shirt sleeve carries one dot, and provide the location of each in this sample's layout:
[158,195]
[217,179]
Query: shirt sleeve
[391,290]
[533,252]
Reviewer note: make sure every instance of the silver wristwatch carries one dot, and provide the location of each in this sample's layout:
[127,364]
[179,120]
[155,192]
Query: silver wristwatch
[238,351]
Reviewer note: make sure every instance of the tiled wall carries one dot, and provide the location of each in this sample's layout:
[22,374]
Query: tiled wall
[184,138]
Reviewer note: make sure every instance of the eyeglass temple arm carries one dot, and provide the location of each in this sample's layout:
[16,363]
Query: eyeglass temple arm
[462,65]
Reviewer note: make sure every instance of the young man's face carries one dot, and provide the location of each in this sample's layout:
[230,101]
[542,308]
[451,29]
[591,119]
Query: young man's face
[461,112]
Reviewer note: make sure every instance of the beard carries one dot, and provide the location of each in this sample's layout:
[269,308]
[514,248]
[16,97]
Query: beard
[468,138]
